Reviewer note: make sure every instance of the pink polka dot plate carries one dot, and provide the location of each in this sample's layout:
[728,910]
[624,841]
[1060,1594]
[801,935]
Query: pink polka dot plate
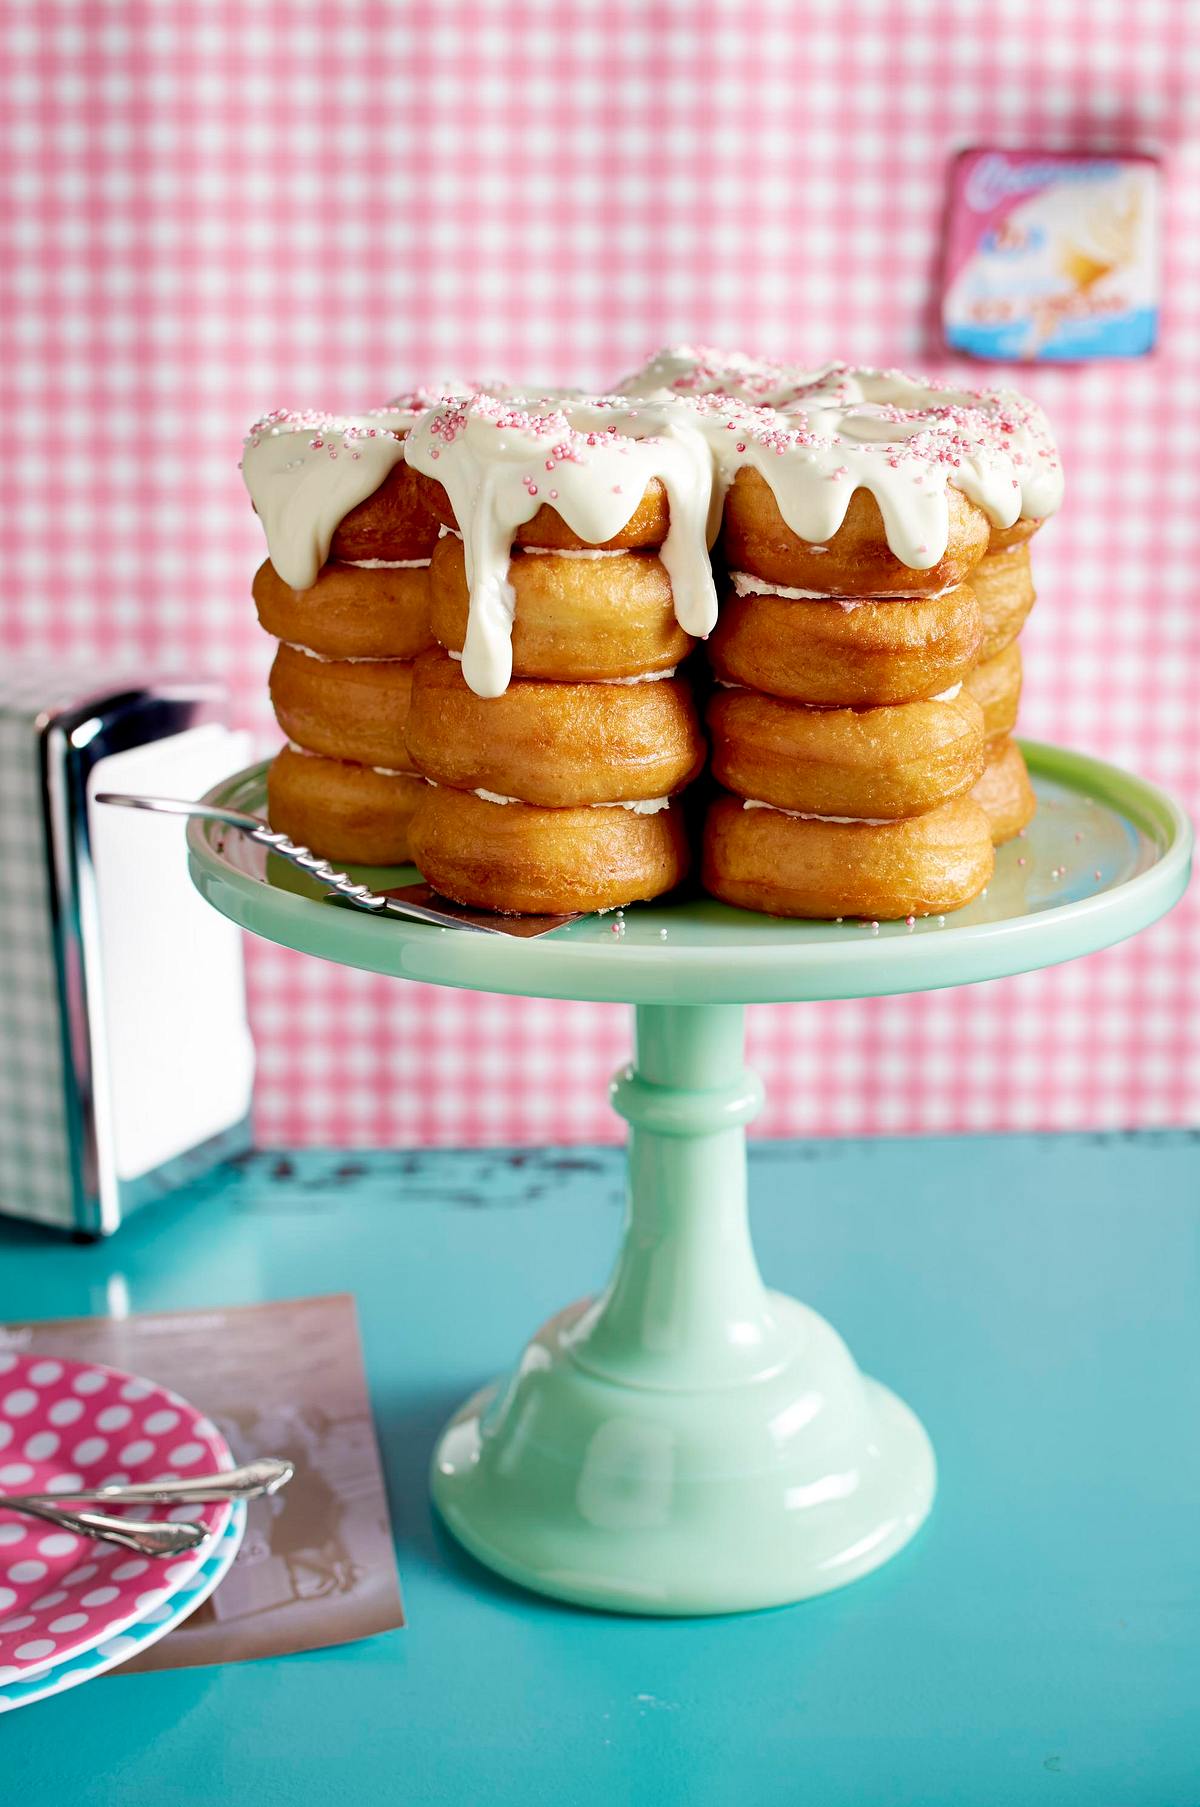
[66,1425]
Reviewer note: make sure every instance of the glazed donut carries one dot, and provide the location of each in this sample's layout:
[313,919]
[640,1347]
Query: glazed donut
[576,618]
[763,859]
[820,651]
[346,709]
[1004,793]
[996,687]
[349,613]
[515,859]
[1007,539]
[646,526]
[1003,586]
[857,561]
[348,813]
[558,745]
[401,520]
[858,763]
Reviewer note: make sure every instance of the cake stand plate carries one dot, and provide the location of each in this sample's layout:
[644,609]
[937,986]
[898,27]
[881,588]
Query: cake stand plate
[689,1442]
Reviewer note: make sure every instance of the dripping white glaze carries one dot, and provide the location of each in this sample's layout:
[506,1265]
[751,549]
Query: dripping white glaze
[691,419]
[815,436]
[500,460]
[305,472]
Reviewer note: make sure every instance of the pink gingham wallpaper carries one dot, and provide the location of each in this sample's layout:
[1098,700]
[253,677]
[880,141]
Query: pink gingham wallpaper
[217,208]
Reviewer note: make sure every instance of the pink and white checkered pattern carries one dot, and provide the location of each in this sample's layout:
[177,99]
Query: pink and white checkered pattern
[220,207]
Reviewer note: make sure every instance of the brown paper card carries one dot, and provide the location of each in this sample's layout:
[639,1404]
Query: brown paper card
[317,1565]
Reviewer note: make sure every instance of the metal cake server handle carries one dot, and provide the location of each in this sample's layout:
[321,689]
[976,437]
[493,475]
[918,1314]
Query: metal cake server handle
[340,883]
[144,1539]
[249,1482]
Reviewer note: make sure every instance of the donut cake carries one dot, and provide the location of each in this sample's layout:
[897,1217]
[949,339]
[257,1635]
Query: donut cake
[486,605]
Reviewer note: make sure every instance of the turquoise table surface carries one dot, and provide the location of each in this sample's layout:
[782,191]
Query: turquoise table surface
[1039,1640]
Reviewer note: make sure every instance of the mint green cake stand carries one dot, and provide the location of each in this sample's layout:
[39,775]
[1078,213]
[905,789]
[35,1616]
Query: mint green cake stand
[688,1441]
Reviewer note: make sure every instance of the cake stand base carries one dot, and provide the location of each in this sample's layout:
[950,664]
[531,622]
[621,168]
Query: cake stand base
[688,1442]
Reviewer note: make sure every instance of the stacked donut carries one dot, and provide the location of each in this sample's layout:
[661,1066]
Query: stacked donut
[1003,585]
[863,747]
[349,605]
[841,725]
[874,539]
[552,726]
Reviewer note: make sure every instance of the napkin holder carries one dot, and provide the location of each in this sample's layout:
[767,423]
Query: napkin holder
[126,1063]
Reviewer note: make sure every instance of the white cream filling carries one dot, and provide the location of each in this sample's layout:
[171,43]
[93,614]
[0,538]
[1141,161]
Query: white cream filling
[385,771]
[941,696]
[387,564]
[745,583]
[640,806]
[346,658]
[642,677]
[573,551]
[804,815]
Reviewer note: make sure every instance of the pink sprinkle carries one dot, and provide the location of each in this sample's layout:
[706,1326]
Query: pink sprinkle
[554,495]
[616,489]
[1021,861]
[1096,874]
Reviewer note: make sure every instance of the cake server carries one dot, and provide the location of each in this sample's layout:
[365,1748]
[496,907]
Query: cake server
[417,902]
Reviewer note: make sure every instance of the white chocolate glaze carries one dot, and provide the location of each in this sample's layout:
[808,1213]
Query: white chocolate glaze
[816,436]
[305,472]
[691,419]
[501,459]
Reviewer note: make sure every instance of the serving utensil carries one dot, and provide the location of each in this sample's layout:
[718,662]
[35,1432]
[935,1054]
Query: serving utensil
[417,902]
[265,1475]
[149,1539]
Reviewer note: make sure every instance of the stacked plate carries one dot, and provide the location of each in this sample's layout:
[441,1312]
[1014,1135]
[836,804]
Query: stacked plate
[70,1607]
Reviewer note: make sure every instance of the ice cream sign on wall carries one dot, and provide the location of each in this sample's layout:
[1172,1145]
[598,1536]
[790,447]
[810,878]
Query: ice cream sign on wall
[1051,256]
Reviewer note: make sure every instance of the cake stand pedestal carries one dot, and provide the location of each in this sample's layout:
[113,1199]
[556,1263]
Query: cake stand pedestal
[688,1441]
